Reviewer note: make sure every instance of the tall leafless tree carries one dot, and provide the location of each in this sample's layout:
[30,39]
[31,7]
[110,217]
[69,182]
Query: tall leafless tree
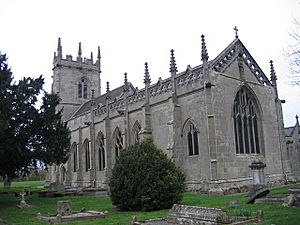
[293,53]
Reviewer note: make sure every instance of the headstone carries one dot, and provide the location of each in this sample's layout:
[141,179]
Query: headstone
[57,187]
[258,189]
[7,183]
[135,221]
[64,208]
[23,204]
[290,200]
[185,214]
[260,216]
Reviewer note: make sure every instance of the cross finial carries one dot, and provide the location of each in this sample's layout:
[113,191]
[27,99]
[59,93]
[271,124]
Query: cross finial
[236,32]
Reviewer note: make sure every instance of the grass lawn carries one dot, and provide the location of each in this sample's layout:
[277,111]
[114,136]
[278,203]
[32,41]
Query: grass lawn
[274,214]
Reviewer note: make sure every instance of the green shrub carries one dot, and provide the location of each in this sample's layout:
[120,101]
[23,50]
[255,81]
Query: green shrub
[144,178]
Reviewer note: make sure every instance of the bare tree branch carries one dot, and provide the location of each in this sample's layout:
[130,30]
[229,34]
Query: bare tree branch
[292,53]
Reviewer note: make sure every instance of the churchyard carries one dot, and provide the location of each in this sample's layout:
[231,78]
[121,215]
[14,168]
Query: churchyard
[235,205]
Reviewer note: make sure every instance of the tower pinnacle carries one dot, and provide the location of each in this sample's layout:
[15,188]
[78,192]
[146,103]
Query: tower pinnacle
[59,49]
[204,54]
[79,51]
[125,82]
[147,79]
[173,68]
[273,74]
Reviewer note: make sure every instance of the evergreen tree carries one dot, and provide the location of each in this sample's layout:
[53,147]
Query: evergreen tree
[27,134]
[144,178]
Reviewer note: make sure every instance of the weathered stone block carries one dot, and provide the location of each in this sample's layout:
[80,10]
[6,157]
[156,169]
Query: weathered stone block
[184,214]
[64,208]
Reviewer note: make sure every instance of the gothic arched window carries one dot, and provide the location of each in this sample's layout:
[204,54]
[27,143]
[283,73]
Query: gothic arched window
[192,139]
[246,127]
[101,151]
[118,141]
[82,89]
[136,131]
[87,151]
[75,156]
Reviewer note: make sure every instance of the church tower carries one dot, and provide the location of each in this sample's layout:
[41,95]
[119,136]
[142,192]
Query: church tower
[74,80]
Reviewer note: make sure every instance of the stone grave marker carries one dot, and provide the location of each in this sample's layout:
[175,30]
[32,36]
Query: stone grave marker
[64,208]
[258,189]
[185,214]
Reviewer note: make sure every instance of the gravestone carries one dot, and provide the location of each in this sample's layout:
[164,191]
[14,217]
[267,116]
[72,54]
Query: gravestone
[64,208]
[258,188]
[56,187]
[185,214]
[23,204]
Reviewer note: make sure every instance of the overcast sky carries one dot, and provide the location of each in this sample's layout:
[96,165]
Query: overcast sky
[131,32]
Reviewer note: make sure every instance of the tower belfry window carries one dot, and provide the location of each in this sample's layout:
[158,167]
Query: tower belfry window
[83,89]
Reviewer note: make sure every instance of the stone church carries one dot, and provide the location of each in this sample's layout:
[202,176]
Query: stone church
[213,119]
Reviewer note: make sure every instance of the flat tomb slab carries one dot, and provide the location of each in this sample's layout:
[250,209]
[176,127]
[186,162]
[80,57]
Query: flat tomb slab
[182,214]
[73,217]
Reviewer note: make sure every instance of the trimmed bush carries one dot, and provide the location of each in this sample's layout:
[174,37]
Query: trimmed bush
[144,178]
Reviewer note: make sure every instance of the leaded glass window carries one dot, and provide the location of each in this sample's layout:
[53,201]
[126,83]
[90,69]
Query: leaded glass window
[87,155]
[118,142]
[136,131]
[75,156]
[101,152]
[192,139]
[246,127]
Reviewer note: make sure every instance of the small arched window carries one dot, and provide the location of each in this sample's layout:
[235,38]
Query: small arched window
[75,156]
[136,132]
[83,89]
[246,127]
[118,142]
[101,151]
[192,139]
[87,151]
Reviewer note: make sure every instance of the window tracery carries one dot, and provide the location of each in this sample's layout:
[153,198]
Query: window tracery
[246,127]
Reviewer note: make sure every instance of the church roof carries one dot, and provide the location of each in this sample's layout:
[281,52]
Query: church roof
[288,131]
[219,64]
[229,54]
[116,93]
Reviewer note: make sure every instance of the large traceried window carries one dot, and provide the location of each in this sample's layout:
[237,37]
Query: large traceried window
[87,151]
[136,132]
[192,139]
[246,126]
[83,89]
[75,156]
[118,139]
[101,151]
